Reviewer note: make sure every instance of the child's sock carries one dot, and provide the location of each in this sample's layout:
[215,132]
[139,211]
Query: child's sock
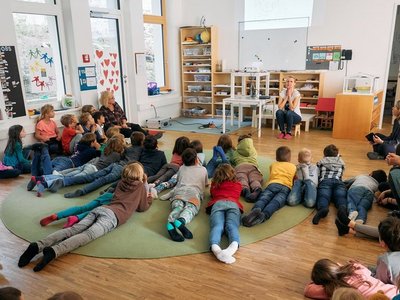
[71,220]
[31,183]
[175,236]
[342,216]
[353,215]
[30,252]
[47,220]
[342,228]
[159,188]
[39,189]
[56,185]
[216,249]
[48,256]
[322,213]
[252,197]
[75,194]
[225,258]
[232,248]
[153,193]
[180,224]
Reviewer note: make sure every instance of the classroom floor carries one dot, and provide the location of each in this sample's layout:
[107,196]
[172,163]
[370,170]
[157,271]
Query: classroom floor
[274,268]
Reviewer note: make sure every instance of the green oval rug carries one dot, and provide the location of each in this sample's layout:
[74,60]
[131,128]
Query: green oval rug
[145,234]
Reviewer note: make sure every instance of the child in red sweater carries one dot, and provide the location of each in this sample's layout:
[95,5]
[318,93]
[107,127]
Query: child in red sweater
[225,209]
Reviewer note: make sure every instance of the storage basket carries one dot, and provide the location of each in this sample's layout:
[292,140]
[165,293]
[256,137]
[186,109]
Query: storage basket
[202,77]
[194,88]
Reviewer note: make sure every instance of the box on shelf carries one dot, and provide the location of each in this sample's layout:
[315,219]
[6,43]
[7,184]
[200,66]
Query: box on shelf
[192,112]
[202,77]
[360,84]
[194,88]
[204,99]
[192,52]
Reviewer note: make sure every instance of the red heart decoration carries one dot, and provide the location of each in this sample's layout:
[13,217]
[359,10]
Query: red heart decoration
[116,87]
[102,81]
[117,72]
[108,89]
[111,80]
[99,53]
[107,62]
[112,72]
[114,55]
[113,63]
[105,72]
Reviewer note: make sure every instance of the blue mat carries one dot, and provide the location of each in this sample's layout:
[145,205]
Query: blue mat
[194,125]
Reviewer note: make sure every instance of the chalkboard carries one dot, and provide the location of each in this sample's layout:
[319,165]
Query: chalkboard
[277,49]
[11,83]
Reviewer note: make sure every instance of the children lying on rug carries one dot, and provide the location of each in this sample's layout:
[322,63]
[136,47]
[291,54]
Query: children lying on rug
[110,174]
[112,153]
[330,186]
[222,154]
[305,186]
[170,169]
[225,210]
[244,159]
[274,196]
[187,196]
[130,196]
[327,276]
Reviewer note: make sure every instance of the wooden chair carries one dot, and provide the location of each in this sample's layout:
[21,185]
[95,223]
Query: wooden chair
[324,113]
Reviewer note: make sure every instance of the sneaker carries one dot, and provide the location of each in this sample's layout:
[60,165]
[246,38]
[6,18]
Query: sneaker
[353,215]
[288,136]
[281,136]
[374,156]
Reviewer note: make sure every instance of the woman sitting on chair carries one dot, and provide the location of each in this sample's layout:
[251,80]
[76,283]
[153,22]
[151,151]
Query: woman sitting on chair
[288,109]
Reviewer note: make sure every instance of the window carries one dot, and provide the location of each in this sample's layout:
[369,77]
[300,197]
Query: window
[155,35]
[109,4]
[39,56]
[38,1]
[282,14]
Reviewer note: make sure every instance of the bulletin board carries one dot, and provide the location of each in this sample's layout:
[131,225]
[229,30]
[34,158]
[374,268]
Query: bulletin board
[11,84]
[87,78]
[325,57]
[276,48]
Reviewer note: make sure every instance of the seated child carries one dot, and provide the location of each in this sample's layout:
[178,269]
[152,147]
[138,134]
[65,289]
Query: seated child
[46,130]
[87,122]
[306,182]
[99,120]
[187,196]
[327,276]
[222,154]
[72,133]
[88,108]
[360,195]
[225,209]
[130,196]
[274,196]
[330,186]
[244,159]
[14,153]
[198,146]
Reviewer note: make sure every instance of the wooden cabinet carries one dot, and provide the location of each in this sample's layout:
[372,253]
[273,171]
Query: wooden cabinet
[198,61]
[356,115]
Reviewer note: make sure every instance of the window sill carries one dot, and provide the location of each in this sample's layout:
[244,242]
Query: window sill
[59,112]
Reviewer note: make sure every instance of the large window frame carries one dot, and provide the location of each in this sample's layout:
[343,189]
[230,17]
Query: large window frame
[161,20]
[52,10]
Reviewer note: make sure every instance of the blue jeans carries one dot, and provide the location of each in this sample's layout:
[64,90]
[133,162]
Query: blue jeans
[272,198]
[359,199]
[41,162]
[225,217]
[331,189]
[213,164]
[303,190]
[96,180]
[61,163]
[289,117]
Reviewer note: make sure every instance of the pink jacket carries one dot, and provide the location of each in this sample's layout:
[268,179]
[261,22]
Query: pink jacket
[316,291]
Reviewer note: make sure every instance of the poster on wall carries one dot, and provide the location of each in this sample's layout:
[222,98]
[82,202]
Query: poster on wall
[323,57]
[42,70]
[108,72]
[87,78]
[11,84]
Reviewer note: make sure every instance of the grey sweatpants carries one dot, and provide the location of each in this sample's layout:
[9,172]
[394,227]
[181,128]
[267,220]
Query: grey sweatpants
[97,223]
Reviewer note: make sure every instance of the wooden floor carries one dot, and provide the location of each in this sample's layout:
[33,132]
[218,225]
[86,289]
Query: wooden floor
[275,268]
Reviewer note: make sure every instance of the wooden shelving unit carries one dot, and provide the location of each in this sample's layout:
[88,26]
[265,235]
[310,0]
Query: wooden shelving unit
[356,115]
[198,62]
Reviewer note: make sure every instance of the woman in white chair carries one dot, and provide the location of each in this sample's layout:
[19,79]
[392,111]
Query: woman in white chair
[288,109]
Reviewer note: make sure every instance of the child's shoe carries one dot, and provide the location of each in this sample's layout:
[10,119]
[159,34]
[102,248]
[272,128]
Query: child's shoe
[281,136]
[322,213]
[47,220]
[71,220]
[288,136]
[31,183]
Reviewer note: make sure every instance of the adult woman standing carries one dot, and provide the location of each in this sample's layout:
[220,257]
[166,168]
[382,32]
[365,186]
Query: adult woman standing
[115,116]
[382,144]
[288,109]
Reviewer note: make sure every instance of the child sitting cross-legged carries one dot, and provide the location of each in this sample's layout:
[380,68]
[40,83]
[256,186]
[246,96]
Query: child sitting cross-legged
[225,210]
[71,134]
[187,196]
[130,196]
[275,194]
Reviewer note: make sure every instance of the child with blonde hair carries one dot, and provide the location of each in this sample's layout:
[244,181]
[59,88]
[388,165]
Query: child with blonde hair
[225,210]
[88,108]
[345,293]
[306,181]
[130,195]
[72,133]
[46,130]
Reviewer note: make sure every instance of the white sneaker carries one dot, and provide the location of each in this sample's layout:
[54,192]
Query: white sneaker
[166,196]
[56,172]
[153,193]
[353,215]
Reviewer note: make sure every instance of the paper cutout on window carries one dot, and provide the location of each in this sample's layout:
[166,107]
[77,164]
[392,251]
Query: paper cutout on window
[108,70]
[42,70]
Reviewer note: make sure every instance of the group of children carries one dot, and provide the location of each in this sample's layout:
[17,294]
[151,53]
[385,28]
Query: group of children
[142,172]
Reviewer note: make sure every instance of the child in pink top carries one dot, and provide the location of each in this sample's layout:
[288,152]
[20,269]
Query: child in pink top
[46,130]
[328,276]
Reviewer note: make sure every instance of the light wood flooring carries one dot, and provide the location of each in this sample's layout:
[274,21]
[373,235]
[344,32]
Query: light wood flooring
[275,268]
